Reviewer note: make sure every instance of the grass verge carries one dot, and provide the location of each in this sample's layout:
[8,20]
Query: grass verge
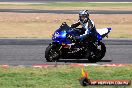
[86,4]
[69,6]
[72,4]
[60,77]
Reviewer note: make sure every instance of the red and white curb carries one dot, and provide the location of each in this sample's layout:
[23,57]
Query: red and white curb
[73,65]
[115,65]
[79,65]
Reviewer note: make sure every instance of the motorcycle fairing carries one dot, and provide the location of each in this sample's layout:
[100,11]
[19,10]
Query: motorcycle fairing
[60,35]
[103,32]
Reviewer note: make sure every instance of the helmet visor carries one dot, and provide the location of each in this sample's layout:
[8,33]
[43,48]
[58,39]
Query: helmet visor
[83,17]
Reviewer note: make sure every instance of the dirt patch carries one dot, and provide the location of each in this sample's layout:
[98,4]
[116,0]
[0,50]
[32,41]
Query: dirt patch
[35,17]
[58,18]
[36,25]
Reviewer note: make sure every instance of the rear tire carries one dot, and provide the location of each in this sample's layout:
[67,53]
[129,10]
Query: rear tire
[98,55]
[52,53]
[103,50]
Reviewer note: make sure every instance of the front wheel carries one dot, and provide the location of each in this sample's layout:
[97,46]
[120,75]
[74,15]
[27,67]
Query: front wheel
[52,53]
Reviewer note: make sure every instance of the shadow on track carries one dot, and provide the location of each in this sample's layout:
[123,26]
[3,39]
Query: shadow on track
[79,61]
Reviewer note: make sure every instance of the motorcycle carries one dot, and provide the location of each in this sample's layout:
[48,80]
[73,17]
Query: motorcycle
[63,47]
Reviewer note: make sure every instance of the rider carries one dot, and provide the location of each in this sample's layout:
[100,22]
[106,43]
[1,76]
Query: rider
[88,29]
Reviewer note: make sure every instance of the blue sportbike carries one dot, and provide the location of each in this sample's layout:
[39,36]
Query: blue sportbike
[64,47]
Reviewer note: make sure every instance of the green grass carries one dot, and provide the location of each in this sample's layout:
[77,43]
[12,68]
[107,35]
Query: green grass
[74,4]
[87,4]
[59,77]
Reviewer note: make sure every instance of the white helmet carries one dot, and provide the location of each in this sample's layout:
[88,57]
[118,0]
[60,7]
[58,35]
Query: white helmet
[84,16]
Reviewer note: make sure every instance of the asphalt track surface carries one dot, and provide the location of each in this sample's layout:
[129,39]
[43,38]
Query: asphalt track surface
[41,1]
[28,52]
[63,11]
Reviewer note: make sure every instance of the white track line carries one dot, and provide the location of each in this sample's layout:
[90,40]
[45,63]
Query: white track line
[28,3]
[21,3]
[110,2]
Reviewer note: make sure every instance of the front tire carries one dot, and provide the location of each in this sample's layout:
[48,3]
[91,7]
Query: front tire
[52,53]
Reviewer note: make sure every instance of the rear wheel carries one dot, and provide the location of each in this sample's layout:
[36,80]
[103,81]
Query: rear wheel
[102,50]
[98,54]
[52,53]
